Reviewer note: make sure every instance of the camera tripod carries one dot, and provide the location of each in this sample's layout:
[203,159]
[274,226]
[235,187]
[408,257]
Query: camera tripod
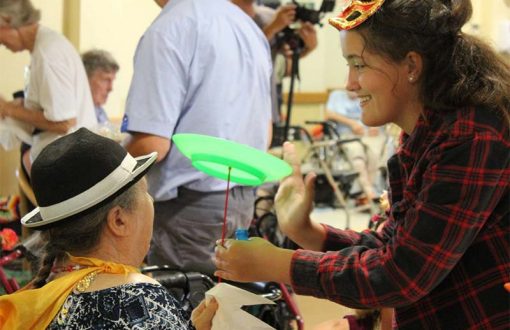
[297,48]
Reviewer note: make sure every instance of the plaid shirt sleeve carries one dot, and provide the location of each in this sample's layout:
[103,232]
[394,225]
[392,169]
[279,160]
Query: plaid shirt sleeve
[451,192]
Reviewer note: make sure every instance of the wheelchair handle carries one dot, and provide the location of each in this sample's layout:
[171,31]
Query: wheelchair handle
[274,295]
[175,278]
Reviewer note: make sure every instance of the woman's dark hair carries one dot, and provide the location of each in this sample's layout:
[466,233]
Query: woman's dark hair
[78,236]
[459,69]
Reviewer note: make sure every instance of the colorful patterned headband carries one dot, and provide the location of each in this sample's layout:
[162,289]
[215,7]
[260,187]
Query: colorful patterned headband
[355,12]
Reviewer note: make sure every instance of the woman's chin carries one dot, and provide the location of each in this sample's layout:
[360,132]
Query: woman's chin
[370,121]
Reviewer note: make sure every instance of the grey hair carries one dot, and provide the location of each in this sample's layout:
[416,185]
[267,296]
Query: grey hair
[18,13]
[97,59]
[79,236]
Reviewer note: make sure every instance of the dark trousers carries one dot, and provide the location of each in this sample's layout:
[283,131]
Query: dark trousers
[186,228]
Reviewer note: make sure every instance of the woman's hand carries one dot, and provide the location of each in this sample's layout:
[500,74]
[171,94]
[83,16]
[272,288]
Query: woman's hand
[294,203]
[253,260]
[294,199]
[202,316]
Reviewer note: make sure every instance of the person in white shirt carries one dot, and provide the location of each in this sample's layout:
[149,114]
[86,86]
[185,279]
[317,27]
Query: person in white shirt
[57,97]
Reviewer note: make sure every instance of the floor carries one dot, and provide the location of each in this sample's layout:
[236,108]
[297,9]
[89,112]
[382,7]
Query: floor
[314,310]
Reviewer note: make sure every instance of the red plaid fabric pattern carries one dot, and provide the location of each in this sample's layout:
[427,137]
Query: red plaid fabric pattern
[444,254]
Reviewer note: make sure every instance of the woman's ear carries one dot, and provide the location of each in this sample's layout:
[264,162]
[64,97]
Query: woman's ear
[414,66]
[117,221]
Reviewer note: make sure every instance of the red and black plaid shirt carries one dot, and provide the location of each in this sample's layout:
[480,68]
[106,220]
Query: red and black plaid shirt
[444,253]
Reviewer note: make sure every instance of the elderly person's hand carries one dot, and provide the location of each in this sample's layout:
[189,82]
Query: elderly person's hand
[253,260]
[202,316]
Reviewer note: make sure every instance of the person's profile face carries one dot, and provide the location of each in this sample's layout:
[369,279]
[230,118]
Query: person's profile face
[378,83]
[101,84]
[11,39]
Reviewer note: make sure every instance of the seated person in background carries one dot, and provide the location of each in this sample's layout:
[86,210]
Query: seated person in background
[57,100]
[95,217]
[343,108]
[101,70]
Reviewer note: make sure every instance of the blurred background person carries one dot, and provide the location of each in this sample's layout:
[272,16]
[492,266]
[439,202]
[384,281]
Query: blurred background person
[57,99]
[101,70]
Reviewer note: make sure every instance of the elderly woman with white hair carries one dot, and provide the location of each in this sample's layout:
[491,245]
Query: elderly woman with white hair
[95,217]
[101,70]
[57,97]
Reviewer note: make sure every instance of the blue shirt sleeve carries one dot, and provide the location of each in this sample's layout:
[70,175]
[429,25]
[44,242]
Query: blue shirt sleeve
[161,72]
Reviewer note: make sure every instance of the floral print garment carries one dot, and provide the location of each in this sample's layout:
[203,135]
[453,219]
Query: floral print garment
[129,306]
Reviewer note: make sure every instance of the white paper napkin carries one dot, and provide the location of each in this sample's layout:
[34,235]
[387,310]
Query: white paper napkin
[229,315]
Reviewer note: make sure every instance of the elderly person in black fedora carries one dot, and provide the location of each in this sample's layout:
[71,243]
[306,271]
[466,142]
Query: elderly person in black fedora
[96,217]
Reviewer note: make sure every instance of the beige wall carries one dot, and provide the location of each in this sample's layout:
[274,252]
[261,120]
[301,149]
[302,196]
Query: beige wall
[116,25]
[489,15]
[326,69]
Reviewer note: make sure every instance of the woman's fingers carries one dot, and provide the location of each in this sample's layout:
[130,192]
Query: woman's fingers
[290,156]
[310,186]
[220,260]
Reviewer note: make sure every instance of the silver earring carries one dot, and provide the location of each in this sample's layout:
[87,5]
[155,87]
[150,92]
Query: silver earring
[411,79]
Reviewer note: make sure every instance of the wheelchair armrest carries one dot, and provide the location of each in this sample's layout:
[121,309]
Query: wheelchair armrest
[349,140]
[268,290]
[177,279]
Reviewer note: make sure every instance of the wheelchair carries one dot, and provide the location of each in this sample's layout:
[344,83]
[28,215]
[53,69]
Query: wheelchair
[189,289]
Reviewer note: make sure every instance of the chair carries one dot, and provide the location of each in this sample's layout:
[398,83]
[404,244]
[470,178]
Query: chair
[27,203]
[25,187]
[335,173]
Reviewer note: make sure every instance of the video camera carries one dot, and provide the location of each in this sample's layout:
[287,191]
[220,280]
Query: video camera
[289,35]
[313,16]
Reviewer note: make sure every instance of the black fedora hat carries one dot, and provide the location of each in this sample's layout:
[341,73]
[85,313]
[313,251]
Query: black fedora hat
[78,173]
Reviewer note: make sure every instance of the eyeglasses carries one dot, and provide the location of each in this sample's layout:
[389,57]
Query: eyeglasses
[355,12]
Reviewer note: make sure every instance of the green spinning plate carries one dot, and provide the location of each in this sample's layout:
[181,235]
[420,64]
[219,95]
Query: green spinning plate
[214,156]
